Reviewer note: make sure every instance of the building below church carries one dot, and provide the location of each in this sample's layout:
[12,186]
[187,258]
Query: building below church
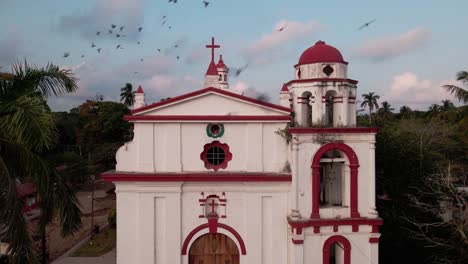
[216,177]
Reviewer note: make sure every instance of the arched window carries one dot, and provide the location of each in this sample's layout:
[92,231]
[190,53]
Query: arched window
[351,160]
[330,108]
[331,179]
[336,249]
[306,109]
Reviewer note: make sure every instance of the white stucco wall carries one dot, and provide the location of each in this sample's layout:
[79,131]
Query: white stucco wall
[176,147]
[154,219]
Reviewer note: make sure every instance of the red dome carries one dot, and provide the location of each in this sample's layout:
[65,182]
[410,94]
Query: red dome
[321,52]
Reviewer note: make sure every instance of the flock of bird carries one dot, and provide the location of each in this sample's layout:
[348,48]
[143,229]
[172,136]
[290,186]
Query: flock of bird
[120,32]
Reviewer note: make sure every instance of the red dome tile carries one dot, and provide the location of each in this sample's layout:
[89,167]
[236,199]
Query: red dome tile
[321,52]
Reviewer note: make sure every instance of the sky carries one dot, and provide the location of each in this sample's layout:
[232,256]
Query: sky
[405,56]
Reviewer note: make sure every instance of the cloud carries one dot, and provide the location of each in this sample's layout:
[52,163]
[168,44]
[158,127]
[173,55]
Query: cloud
[385,48]
[129,13]
[10,48]
[268,47]
[408,89]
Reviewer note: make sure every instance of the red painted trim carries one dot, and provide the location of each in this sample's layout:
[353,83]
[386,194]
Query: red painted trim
[373,240]
[336,222]
[355,228]
[207,118]
[338,239]
[227,153]
[353,164]
[208,90]
[297,242]
[322,80]
[196,177]
[375,229]
[344,130]
[219,225]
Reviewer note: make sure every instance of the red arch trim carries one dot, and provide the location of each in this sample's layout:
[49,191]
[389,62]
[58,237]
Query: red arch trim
[220,225]
[353,165]
[339,239]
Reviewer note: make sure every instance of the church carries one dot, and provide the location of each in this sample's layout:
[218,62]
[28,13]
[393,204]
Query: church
[216,177]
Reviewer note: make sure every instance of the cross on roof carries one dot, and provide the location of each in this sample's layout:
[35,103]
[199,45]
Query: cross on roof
[212,47]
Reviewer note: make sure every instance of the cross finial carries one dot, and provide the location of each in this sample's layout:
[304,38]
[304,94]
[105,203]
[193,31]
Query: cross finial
[212,47]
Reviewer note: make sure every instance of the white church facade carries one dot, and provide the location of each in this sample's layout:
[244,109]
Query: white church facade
[213,176]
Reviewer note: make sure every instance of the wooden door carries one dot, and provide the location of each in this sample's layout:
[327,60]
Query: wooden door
[213,249]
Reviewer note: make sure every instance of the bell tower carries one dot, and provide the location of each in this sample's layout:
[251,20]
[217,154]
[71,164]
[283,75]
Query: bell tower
[322,94]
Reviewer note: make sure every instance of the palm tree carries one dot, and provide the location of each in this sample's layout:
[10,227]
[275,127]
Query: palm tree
[27,129]
[370,100]
[405,111]
[386,110]
[127,96]
[459,92]
[446,105]
[434,109]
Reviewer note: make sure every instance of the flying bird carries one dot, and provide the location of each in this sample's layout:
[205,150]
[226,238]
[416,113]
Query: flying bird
[164,17]
[159,50]
[118,35]
[140,28]
[113,26]
[110,31]
[206,3]
[174,1]
[82,56]
[118,47]
[99,50]
[135,72]
[176,45]
[281,28]
[164,22]
[98,33]
[240,70]
[178,57]
[170,27]
[93,45]
[66,54]
[121,28]
[138,42]
[141,59]
[366,24]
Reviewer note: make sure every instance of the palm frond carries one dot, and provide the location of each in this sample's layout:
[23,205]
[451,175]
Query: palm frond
[458,92]
[30,123]
[462,76]
[13,226]
[48,81]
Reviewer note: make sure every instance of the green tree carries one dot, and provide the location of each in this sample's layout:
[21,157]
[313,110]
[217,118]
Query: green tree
[459,92]
[433,110]
[26,130]
[127,95]
[447,105]
[370,100]
[405,111]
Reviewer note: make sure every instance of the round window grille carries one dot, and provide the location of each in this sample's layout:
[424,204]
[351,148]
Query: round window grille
[216,155]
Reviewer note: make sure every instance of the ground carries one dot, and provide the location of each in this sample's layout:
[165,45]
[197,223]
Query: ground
[109,258]
[103,202]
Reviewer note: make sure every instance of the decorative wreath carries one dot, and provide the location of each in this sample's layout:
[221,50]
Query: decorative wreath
[215,130]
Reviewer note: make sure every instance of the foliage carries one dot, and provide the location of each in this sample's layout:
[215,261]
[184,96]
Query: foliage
[27,130]
[370,100]
[112,218]
[284,133]
[127,95]
[411,147]
[459,92]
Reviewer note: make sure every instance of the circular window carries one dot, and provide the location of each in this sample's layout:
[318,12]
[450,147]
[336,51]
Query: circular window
[215,130]
[216,155]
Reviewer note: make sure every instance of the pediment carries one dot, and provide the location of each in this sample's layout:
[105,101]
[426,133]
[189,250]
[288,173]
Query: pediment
[212,101]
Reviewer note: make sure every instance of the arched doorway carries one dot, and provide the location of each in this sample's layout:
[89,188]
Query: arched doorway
[214,249]
[336,250]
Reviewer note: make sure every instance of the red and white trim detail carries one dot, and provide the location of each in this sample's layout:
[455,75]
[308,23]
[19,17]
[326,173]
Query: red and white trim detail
[204,118]
[353,166]
[346,247]
[113,176]
[212,227]
[344,130]
[322,80]
[227,155]
[210,90]
[373,240]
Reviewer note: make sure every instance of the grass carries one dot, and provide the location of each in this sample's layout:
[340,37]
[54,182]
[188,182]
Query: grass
[101,244]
